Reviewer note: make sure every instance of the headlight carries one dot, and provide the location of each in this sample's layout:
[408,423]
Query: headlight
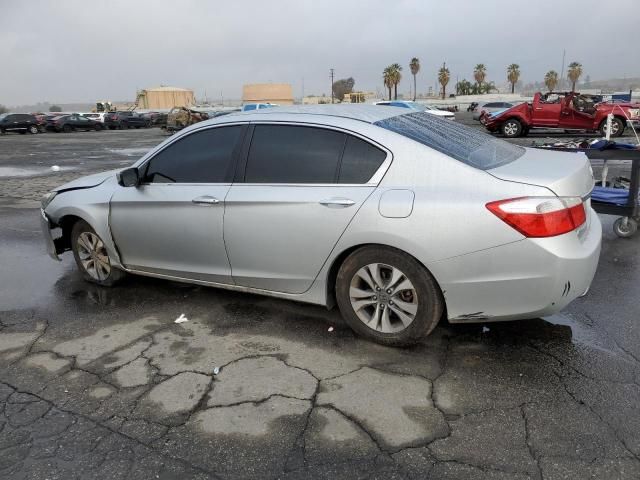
[46,199]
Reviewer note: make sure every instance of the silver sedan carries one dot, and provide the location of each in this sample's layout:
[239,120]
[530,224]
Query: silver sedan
[400,218]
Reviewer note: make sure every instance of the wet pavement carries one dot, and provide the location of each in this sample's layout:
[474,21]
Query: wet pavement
[101,383]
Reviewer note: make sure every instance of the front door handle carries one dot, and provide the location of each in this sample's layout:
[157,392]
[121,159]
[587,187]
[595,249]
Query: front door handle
[205,200]
[337,202]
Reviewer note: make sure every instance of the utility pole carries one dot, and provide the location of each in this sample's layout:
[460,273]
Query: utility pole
[332,75]
[562,71]
[302,99]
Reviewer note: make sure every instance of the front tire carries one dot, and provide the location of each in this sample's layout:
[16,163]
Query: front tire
[33,129]
[512,128]
[387,296]
[67,129]
[91,256]
[617,127]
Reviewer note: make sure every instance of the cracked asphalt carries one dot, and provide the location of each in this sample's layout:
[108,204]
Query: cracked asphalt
[101,383]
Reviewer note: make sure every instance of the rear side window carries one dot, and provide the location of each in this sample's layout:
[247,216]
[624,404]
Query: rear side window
[468,145]
[205,156]
[360,161]
[292,154]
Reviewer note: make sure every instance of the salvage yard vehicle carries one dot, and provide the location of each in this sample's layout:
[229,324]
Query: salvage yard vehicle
[123,120]
[71,123]
[18,122]
[420,107]
[182,117]
[565,110]
[491,107]
[346,204]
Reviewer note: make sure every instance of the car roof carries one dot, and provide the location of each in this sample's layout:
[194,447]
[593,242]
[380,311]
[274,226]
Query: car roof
[363,113]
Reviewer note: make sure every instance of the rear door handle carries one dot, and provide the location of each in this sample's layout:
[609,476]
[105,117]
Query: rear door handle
[205,200]
[337,202]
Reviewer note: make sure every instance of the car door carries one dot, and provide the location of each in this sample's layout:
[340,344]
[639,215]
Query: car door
[172,223]
[297,189]
[13,122]
[546,113]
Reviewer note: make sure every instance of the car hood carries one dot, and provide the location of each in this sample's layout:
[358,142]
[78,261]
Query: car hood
[87,182]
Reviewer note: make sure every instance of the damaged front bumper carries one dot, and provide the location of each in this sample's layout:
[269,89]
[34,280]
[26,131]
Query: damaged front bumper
[47,226]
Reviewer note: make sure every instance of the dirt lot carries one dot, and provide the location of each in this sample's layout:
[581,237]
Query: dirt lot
[101,383]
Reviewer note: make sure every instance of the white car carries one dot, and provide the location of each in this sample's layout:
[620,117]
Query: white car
[98,117]
[419,107]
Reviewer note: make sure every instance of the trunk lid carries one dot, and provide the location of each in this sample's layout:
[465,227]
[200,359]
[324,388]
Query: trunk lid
[566,174]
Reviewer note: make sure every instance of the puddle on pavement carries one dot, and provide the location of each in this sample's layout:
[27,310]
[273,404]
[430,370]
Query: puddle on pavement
[30,172]
[130,152]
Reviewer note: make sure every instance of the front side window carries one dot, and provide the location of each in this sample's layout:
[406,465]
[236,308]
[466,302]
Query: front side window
[293,154]
[205,156]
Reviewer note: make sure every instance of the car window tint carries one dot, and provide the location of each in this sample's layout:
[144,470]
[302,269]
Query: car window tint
[202,157]
[291,154]
[249,107]
[360,161]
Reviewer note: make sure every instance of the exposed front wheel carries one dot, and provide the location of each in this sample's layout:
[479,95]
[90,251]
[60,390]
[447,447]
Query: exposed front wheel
[91,256]
[617,127]
[512,128]
[387,296]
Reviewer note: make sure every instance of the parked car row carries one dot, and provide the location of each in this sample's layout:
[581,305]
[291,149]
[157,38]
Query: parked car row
[69,122]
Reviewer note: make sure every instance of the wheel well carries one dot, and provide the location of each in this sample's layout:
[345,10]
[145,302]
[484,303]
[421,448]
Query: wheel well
[66,224]
[339,260]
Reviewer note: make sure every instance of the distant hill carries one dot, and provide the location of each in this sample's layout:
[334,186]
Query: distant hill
[616,84]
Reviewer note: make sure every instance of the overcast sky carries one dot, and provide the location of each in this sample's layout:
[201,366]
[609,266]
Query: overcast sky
[84,51]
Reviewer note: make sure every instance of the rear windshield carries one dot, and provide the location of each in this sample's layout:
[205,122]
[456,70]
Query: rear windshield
[468,145]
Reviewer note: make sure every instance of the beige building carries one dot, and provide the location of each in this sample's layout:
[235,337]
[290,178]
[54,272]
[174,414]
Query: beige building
[280,93]
[165,98]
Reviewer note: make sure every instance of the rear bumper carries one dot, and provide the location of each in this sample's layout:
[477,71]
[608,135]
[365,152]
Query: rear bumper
[46,226]
[525,279]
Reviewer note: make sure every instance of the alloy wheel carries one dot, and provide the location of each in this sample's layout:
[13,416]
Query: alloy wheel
[383,298]
[510,129]
[93,256]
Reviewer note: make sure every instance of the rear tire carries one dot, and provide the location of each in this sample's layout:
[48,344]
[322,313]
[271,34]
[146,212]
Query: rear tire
[91,256]
[97,127]
[617,127]
[33,129]
[512,128]
[67,129]
[386,296]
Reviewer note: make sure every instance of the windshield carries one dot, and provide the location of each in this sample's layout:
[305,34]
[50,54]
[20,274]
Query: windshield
[465,144]
[2,115]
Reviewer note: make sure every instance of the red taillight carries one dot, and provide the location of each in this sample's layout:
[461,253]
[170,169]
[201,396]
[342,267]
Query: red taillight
[541,216]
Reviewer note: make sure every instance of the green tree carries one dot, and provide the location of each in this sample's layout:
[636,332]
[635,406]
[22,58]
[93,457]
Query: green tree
[396,77]
[574,72]
[55,108]
[479,74]
[513,75]
[387,77]
[464,87]
[443,79]
[342,87]
[414,65]
[551,79]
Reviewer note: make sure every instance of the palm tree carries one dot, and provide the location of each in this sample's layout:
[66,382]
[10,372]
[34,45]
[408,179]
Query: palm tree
[480,73]
[397,76]
[551,79]
[513,74]
[414,65]
[487,87]
[443,79]
[387,76]
[574,72]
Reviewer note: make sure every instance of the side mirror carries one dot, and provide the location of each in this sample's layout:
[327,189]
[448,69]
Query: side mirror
[128,177]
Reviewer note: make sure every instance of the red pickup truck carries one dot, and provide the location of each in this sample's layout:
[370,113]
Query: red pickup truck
[565,110]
